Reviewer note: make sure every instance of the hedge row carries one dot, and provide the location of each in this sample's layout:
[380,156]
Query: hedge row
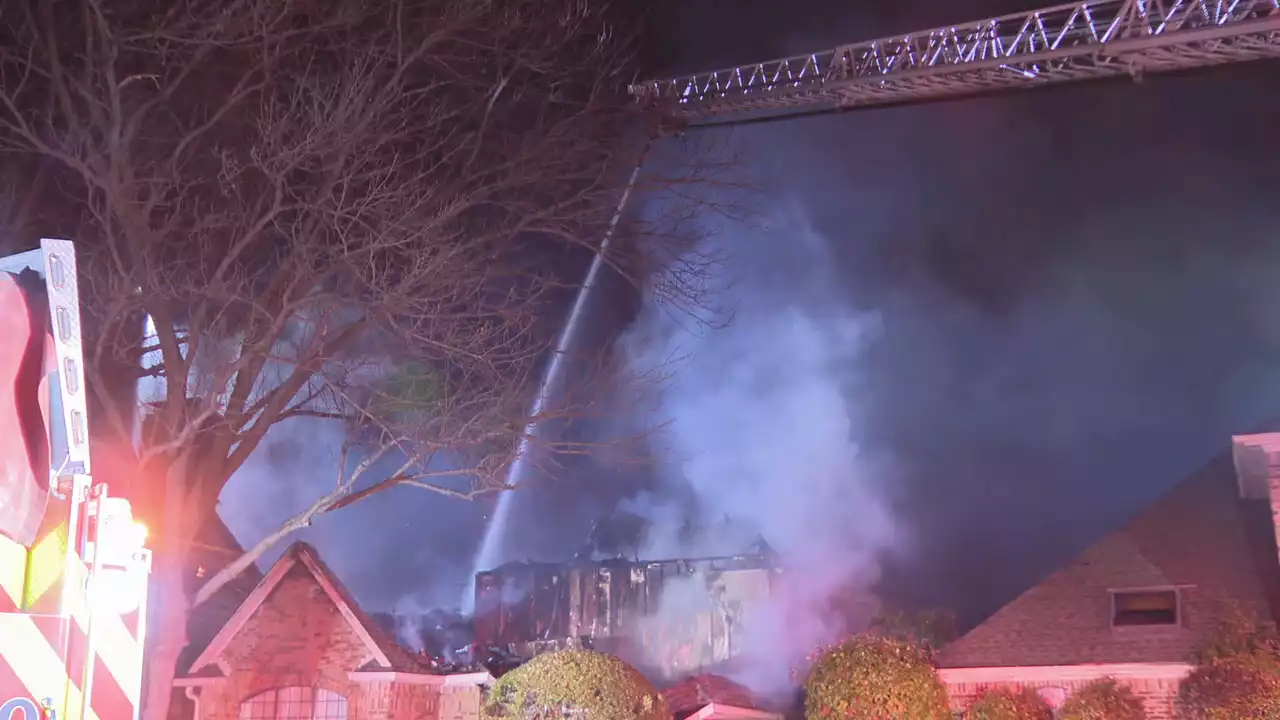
[876,678]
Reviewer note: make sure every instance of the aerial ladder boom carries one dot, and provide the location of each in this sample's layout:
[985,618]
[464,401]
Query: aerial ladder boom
[1077,41]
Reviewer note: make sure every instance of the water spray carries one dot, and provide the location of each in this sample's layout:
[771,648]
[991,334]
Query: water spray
[491,549]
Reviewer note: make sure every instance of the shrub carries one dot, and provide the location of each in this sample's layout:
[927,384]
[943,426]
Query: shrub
[1005,703]
[872,678]
[595,685]
[1104,700]
[1239,633]
[1239,687]
[1238,672]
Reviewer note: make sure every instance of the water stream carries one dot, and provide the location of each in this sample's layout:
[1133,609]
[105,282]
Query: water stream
[492,552]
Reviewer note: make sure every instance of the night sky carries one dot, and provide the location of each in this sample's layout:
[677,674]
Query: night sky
[1014,321]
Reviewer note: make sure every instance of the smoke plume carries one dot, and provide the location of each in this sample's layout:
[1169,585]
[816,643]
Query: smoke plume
[760,440]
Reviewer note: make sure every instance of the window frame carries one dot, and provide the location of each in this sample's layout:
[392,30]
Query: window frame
[278,703]
[1160,589]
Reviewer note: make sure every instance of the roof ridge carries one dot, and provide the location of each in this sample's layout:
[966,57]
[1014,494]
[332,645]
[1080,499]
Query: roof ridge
[385,654]
[399,657]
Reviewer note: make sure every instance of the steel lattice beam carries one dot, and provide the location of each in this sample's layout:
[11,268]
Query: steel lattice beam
[1077,41]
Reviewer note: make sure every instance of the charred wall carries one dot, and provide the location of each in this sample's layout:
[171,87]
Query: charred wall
[668,616]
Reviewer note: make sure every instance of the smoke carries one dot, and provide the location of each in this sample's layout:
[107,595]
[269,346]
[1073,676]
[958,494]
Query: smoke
[760,440]
[401,549]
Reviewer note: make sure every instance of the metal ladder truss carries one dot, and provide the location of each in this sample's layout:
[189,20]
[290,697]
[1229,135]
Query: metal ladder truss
[1076,41]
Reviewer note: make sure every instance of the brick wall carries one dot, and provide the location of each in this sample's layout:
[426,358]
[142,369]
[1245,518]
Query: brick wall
[1156,684]
[1157,695]
[460,702]
[298,637]
[412,702]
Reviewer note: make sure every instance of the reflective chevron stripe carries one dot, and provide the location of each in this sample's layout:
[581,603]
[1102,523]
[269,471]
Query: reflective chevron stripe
[30,579]
[45,653]
[115,645]
[109,699]
[33,660]
[30,652]
[45,563]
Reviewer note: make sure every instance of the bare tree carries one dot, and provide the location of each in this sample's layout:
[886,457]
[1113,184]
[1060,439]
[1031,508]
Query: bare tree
[325,208]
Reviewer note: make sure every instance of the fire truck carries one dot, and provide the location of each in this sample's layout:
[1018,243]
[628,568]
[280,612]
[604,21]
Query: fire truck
[73,563]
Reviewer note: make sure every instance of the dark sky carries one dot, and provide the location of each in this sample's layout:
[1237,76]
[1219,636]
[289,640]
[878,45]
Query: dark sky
[1066,301]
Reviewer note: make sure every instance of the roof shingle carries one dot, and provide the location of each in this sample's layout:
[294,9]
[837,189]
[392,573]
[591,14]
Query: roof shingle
[692,694]
[1217,550]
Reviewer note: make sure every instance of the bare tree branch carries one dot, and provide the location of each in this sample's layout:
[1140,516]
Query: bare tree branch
[338,210]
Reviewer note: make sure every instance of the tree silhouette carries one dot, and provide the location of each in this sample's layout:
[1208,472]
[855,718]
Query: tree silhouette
[338,209]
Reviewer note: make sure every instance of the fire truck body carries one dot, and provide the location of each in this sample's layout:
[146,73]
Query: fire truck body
[73,569]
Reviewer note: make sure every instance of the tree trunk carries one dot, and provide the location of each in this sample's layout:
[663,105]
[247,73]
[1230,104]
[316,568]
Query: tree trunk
[169,605]
[166,638]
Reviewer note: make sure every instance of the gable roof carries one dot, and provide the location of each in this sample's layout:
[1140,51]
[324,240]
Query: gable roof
[1219,552]
[214,547]
[387,655]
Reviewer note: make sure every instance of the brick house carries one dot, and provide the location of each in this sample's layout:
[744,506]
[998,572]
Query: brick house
[299,648]
[1136,605]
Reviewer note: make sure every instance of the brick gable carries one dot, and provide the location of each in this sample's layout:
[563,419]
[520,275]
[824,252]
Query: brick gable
[1200,539]
[301,567]
[297,631]
[291,631]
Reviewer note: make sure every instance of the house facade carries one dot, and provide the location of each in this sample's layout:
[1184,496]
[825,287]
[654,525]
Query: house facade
[1138,604]
[297,647]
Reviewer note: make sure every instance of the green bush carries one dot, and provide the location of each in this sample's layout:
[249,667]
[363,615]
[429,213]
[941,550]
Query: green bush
[592,684]
[1237,687]
[1239,633]
[873,678]
[1104,700]
[1006,703]
[1238,672]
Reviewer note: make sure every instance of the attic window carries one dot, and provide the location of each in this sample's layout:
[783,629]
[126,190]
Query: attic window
[1144,607]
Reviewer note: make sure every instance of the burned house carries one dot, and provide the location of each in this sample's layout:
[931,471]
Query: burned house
[669,617]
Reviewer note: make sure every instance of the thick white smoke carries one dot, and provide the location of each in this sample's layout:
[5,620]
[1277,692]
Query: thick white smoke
[762,426]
